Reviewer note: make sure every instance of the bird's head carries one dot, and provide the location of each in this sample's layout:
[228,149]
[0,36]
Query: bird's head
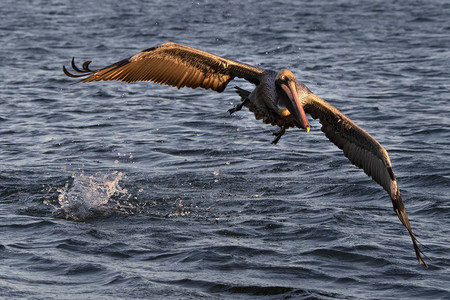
[287,82]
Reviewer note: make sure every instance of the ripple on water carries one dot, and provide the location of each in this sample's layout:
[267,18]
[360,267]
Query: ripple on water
[206,207]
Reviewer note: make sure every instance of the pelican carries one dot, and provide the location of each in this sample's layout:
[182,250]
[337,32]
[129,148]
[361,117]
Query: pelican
[278,99]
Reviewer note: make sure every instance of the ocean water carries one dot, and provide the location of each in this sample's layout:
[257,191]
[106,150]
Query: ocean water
[141,191]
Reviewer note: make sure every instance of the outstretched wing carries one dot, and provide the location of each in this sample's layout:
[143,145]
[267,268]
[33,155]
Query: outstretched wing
[364,152]
[175,65]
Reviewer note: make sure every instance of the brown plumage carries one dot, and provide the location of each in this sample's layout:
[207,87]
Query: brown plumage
[278,99]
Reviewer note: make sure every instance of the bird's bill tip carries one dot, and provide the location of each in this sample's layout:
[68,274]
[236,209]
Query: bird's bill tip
[299,113]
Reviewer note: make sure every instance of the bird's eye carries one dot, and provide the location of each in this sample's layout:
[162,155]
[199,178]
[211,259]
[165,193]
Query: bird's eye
[283,77]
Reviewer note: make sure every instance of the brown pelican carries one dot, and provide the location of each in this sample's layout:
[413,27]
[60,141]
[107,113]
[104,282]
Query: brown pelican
[278,99]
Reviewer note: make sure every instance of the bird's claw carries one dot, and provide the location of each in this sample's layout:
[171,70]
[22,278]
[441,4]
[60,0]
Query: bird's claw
[237,107]
[279,134]
[234,109]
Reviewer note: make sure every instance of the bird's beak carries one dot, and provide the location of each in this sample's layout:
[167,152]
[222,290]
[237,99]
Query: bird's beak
[297,107]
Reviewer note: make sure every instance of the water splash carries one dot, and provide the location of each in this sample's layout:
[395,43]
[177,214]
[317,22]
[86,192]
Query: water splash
[179,209]
[84,197]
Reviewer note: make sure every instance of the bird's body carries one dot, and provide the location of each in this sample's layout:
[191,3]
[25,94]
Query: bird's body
[278,99]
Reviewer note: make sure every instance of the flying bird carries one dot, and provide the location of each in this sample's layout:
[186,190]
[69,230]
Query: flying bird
[278,99]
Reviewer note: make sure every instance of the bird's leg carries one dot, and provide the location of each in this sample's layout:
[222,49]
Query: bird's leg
[239,106]
[279,134]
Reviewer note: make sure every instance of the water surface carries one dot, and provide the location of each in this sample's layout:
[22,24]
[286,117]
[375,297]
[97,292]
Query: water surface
[109,190]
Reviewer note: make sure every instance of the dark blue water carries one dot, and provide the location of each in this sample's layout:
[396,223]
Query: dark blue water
[115,191]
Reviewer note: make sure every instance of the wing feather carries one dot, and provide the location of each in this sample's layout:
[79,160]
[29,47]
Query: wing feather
[175,65]
[363,151]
